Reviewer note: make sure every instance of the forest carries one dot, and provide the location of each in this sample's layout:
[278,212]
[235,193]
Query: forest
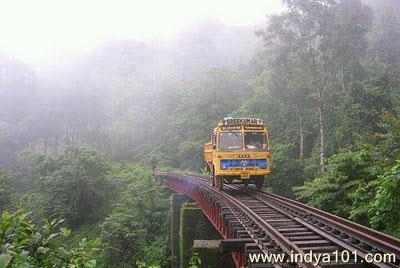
[77,139]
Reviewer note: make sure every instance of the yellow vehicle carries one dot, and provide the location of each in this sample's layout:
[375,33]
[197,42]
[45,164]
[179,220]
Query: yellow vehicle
[238,153]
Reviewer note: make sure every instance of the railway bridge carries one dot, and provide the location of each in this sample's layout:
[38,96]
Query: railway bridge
[252,224]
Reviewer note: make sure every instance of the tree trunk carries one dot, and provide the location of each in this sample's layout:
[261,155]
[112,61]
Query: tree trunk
[75,136]
[67,135]
[301,129]
[72,136]
[45,146]
[67,140]
[56,147]
[322,134]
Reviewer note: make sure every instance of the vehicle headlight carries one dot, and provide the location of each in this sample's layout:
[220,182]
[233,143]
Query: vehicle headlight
[262,163]
[224,164]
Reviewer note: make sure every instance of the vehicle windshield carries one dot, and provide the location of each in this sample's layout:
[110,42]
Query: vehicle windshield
[230,141]
[255,140]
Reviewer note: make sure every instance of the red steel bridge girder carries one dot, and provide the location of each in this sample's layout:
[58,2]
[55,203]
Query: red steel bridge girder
[210,209]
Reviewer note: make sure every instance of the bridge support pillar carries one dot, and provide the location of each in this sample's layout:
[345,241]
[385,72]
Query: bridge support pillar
[187,225]
[211,255]
[176,203]
[193,225]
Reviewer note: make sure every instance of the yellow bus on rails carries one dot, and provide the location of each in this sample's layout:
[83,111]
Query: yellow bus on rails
[238,153]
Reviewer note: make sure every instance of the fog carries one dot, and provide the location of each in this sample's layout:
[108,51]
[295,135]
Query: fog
[41,31]
[67,63]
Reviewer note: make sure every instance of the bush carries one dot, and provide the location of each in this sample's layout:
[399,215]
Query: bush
[334,191]
[136,230]
[7,189]
[384,210]
[25,244]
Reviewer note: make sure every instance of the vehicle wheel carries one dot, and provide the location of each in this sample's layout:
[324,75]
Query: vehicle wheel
[219,182]
[213,178]
[259,183]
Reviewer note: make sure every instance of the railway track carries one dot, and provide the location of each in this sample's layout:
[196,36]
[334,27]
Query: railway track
[292,230]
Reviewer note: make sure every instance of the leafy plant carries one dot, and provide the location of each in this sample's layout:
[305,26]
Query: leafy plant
[135,231]
[195,261]
[26,244]
[385,206]
[7,189]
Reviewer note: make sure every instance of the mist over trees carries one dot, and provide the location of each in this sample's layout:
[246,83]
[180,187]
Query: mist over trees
[108,98]
[323,75]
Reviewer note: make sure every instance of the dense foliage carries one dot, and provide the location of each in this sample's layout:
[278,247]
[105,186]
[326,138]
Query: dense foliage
[118,206]
[136,230]
[72,185]
[7,189]
[25,244]
[362,184]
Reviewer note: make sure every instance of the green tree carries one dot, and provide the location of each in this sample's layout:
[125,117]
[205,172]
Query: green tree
[305,40]
[384,207]
[203,102]
[385,35]
[354,188]
[7,189]
[334,190]
[363,106]
[73,185]
[136,229]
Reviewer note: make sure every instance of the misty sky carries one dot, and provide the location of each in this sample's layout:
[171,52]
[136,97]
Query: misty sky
[37,31]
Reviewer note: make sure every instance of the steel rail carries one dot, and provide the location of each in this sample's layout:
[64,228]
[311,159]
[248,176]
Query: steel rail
[380,241]
[232,204]
[329,233]
[372,237]
[371,241]
[253,235]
